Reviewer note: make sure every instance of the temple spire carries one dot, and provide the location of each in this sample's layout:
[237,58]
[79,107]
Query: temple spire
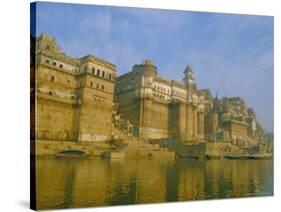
[189,82]
[188,77]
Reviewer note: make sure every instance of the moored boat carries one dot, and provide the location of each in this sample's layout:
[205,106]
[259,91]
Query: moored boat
[236,156]
[261,156]
[72,154]
[254,156]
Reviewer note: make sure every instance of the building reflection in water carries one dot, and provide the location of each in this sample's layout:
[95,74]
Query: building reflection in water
[88,183]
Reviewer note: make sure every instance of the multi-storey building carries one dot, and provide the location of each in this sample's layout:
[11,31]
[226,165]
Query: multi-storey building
[206,98]
[252,121]
[231,119]
[74,96]
[159,107]
[239,108]
[76,99]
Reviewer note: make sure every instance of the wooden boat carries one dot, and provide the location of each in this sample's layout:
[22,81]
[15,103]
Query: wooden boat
[261,156]
[72,154]
[255,156]
[235,157]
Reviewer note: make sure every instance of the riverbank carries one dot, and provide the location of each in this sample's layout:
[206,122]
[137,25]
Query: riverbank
[132,149]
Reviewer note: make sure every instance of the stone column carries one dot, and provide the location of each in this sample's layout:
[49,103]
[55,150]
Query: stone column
[195,123]
[201,125]
[215,122]
[189,121]
[141,117]
[182,121]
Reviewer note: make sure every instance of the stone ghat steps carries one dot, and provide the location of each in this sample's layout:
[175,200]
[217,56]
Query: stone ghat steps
[222,149]
[49,147]
[118,133]
[138,148]
[132,147]
[132,142]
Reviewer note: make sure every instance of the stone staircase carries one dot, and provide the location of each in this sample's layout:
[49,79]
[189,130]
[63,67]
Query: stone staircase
[135,147]
[192,150]
[138,148]
[119,134]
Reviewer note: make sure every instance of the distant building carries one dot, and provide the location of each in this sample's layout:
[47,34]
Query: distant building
[206,98]
[232,120]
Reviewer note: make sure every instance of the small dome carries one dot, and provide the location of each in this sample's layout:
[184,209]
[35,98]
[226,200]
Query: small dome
[148,62]
[147,68]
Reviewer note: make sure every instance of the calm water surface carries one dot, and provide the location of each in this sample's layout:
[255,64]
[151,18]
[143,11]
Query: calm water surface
[65,183]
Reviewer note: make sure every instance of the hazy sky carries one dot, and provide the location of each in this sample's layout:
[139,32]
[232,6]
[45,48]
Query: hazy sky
[230,54]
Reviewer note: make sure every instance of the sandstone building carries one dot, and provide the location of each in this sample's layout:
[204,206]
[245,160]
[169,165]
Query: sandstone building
[230,119]
[74,96]
[82,99]
[158,107]
[162,108]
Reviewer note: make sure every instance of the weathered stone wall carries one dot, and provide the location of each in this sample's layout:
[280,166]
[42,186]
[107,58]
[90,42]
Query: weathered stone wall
[237,130]
[154,122]
[127,99]
[55,82]
[185,123]
[73,109]
[215,122]
[211,124]
[221,149]
[189,150]
[129,108]
[95,120]
[176,127]
[201,125]
[54,120]
[190,123]
[195,123]
[55,91]
[207,125]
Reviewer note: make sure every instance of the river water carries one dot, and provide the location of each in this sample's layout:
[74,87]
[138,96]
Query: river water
[67,183]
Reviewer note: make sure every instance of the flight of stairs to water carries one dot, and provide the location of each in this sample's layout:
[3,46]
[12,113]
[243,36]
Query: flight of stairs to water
[135,148]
